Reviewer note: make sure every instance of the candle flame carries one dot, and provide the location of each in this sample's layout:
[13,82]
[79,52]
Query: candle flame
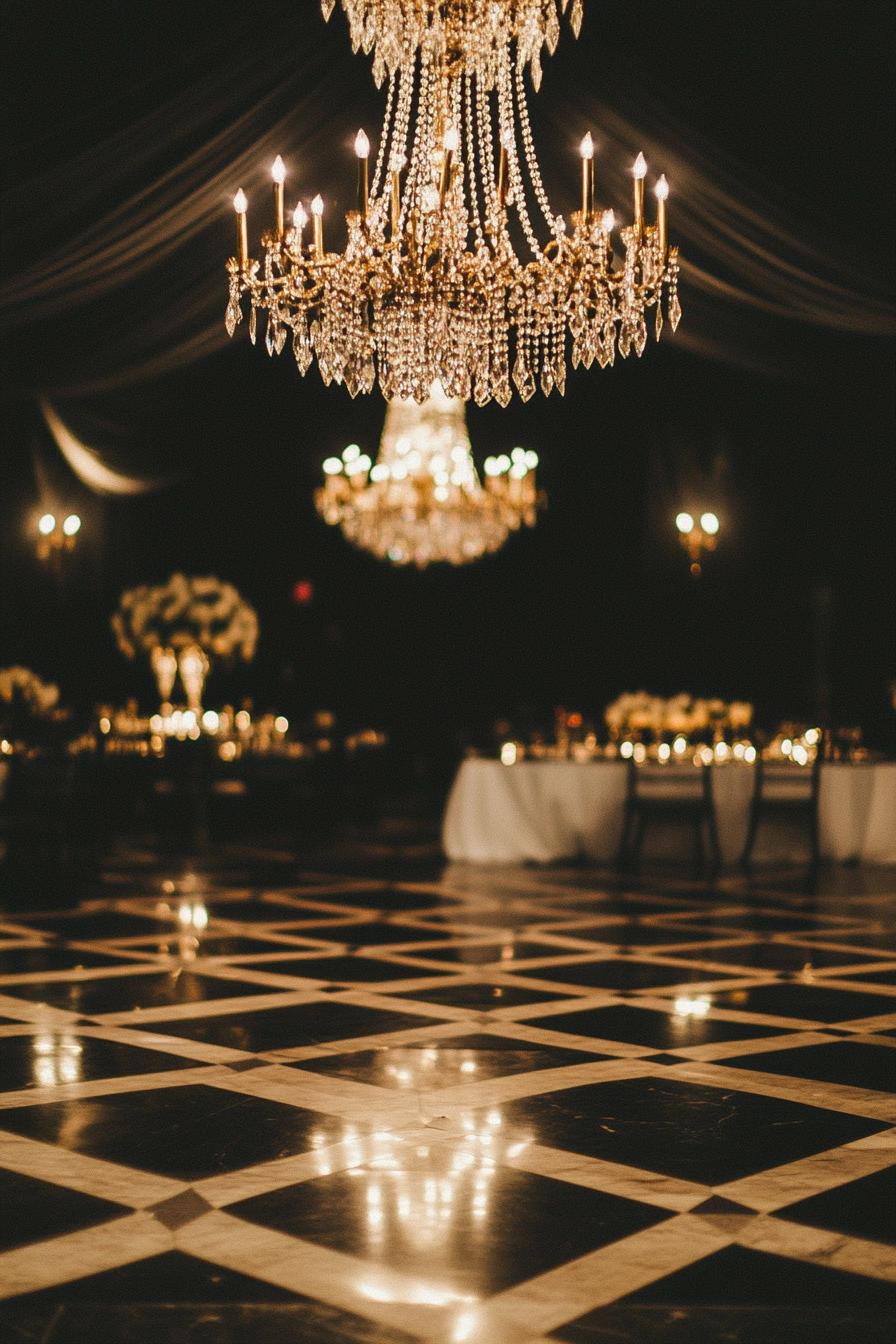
[240,202]
[299,217]
[362,145]
[608,221]
[640,168]
[451,140]
[662,188]
[278,171]
[586,148]
[317,205]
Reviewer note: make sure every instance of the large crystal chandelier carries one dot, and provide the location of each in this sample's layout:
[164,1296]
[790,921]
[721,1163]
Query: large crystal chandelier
[430,285]
[422,500]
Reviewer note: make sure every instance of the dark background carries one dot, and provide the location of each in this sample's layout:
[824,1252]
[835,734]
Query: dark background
[787,433]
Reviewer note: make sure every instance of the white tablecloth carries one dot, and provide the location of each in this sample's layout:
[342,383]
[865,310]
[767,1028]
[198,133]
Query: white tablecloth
[539,811]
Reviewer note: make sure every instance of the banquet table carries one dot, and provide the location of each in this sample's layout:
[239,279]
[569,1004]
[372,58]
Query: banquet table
[546,810]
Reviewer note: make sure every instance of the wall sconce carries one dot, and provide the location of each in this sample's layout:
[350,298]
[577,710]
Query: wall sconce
[56,535]
[697,537]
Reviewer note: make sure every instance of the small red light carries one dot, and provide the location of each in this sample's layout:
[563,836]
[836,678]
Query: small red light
[303,592]
[575,720]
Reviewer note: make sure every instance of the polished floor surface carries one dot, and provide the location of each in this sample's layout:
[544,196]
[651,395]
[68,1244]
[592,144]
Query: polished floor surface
[497,1106]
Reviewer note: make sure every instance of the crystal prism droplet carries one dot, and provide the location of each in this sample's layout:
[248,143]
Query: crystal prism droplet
[674,310]
[253,323]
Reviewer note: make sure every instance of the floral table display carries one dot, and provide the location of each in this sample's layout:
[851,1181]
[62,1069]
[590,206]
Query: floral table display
[638,712]
[181,625]
[25,701]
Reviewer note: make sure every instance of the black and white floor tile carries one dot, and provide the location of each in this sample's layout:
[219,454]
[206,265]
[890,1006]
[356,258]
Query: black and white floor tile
[499,1107]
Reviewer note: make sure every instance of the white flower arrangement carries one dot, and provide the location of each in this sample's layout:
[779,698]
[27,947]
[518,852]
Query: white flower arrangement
[40,697]
[186,611]
[635,711]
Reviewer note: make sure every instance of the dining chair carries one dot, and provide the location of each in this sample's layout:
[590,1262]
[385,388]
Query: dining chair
[670,793]
[785,790]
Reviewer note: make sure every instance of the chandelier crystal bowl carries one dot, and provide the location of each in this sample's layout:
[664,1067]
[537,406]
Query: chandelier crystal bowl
[430,287]
[422,501]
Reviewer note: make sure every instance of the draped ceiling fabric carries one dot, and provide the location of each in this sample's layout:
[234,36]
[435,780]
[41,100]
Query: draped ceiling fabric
[117,252]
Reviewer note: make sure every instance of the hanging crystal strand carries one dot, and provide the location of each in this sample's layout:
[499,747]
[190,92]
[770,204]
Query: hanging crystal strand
[531,161]
[472,187]
[505,102]
[387,121]
[413,185]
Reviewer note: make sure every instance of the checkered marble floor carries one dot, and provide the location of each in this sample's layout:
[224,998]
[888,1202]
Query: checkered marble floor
[505,1106]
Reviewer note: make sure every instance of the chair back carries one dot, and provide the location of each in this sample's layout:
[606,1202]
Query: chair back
[673,783]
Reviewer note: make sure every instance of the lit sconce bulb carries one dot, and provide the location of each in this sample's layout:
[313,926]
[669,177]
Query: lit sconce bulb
[586,148]
[47,524]
[71,525]
[451,140]
[240,202]
[662,189]
[362,145]
[278,171]
[710,523]
[300,216]
[317,206]
[684,522]
[640,168]
[608,221]
[332,466]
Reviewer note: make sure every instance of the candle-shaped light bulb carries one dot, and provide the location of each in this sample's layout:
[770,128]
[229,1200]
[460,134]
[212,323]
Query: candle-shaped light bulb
[586,149]
[639,172]
[451,140]
[241,205]
[608,221]
[362,149]
[278,173]
[662,192]
[317,210]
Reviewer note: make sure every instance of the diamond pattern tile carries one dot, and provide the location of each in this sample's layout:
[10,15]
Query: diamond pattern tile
[409,1181]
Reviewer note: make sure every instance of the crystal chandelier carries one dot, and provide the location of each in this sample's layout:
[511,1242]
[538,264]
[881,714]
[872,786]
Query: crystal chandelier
[422,500]
[430,286]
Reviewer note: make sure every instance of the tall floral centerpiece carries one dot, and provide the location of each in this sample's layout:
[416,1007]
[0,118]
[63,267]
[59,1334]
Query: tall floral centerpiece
[182,625]
[25,702]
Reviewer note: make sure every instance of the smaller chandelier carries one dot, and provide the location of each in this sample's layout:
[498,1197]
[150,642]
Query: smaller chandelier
[422,501]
